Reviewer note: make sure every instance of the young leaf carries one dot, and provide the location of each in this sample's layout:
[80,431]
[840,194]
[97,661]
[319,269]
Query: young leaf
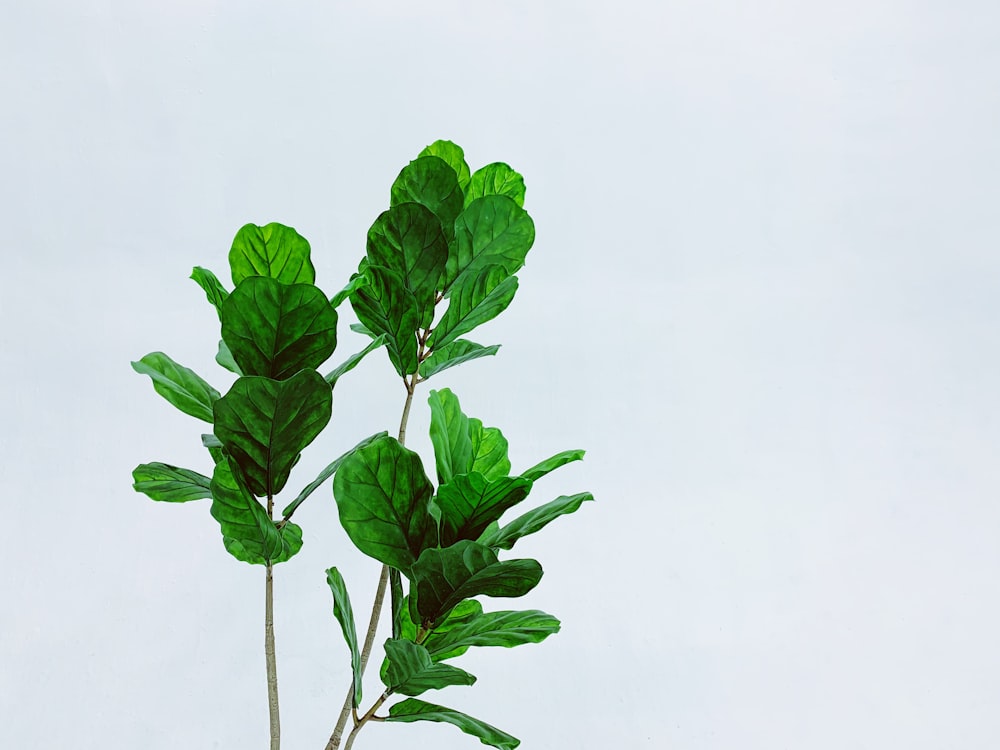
[211,285]
[382,495]
[533,520]
[453,155]
[450,435]
[507,629]
[495,179]
[489,450]
[478,297]
[264,424]
[248,534]
[177,384]
[351,362]
[357,281]
[275,329]
[445,576]
[431,182]
[470,502]
[387,307]
[453,354]
[170,484]
[275,251]
[492,230]
[345,616]
[551,464]
[225,358]
[414,709]
[411,671]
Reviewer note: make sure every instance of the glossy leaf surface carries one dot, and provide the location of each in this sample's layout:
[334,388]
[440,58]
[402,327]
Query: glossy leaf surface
[539,470]
[387,307]
[533,520]
[489,450]
[507,629]
[344,613]
[449,435]
[170,484]
[492,230]
[273,251]
[470,502]
[454,156]
[495,179]
[179,385]
[411,671]
[431,182]
[477,298]
[454,354]
[414,709]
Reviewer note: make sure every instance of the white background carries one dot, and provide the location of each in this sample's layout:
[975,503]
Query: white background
[763,296]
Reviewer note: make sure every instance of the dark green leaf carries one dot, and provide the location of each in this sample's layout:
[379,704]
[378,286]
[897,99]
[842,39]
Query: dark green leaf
[211,285]
[177,384]
[264,424]
[351,362]
[382,495]
[551,464]
[170,484]
[495,179]
[357,281]
[414,709]
[470,502]
[507,629]
[275,251]
[474,301]
[248,534]
[387,307]
[431,182]
[450,435]
[492,230]
[345,616]
[453,354]
[411,671]
[445,576]
[225,359]
[533,520]
[489,450]
[276,329]
[453,155]
[396,597]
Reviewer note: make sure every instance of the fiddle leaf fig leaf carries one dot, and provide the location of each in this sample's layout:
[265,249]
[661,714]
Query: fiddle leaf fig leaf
[351,362]
[177,384]
[495,179]
[539,470]
[476,300]
[412,672]
[507,629]
[275,329]
[211,285]
[443,577]
[247,532]
[387,307]
[534,520]
[414,709]
[274,251]
[357,281]
[489,450]
[345,616]
[264,424]
[170,484]
[492,230]
[225,358]
[431,182]
[382,496]
[470,502]
[450,435]
[454,156]
[455,353]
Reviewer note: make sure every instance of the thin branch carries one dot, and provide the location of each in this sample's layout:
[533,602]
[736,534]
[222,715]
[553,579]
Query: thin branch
[270,660]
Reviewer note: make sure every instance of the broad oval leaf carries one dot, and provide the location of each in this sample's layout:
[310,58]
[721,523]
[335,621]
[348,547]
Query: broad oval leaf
[495,179]
[414,709]
[182,387]
[275,329]
[450,435]
[264,424]
[489,450]
[387,307]
[431,182]
[275,251]
[507,629]
[454,156]
[455,353]
[492,230]
[542,468]
[470,502]
[211,285]
[344,613]
[411,671]
[475,300]
[170,484]
[533,520]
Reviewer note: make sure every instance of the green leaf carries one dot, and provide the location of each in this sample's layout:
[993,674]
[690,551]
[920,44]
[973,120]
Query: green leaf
[453,155]
[475,300]
[533,520]
[414,709]
[225,358]
[431,182]
[248,534]
[450,435]
[328,472]
[213,288]
[351,362]
[453,354]
[264,424]
[507,629]
[492,230]
[387,307]
[495,179]
[345,616]
[445,576]
[408,239]
[170,484]
[276,329]
[551,464]
[275,251]
[358,328]
[411,671]
[489,450]
[357,281]
[382,495]
[470,502]
[177,384]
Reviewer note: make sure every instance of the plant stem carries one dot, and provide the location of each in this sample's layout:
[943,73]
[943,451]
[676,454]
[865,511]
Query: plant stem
[272,665]
[361,722]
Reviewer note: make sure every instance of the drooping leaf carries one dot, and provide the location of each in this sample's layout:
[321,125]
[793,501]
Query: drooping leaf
[264,424]
[454,354]
[477,298]
[357,281]
[248,534]
[275,329]
[551,464]
[382,495]
[470,502]
[495,179]
[170,484]
[533,520]
[345,616]
[445,576]
[431,182]
[414,709]
[328,472]
[450,435]
[211,285]
[454,156]
[411,671]
[387,307]
[492,230]
[177,384]
[507,629]
[351,362]
[489,450]
[225,358]
[274,251]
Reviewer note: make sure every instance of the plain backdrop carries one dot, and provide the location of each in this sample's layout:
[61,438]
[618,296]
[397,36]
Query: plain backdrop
[763,296]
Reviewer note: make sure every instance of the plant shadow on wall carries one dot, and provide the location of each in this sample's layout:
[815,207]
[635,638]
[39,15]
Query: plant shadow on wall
[439,262]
